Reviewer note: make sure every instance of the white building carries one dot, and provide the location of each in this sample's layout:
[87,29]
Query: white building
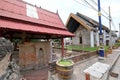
[86,30]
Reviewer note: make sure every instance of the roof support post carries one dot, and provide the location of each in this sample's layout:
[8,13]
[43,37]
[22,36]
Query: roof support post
[1,33]
[11,37]
[23,37]
[62,40]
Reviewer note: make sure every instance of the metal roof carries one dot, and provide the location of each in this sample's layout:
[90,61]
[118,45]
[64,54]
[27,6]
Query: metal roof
[14,25]
[47,22]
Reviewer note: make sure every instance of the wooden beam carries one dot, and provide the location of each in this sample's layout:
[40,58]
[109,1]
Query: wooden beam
[87,76]
[62,40]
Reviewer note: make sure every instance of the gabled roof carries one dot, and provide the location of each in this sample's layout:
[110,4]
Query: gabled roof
[16,10]
[77,19]
[74,21]
[91,22]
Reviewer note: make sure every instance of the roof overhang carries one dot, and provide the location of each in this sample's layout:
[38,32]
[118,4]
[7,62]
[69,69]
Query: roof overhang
[17,26]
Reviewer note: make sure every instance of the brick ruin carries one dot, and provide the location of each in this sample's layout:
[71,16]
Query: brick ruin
[34,55]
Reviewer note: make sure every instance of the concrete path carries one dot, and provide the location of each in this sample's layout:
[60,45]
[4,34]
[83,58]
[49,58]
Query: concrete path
[41,74]
[79,67]
[82,65]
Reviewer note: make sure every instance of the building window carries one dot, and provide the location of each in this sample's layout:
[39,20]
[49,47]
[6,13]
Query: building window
[80,40]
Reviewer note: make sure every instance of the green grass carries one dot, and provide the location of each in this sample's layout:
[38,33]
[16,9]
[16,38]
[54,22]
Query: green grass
[117,44]
[70,47]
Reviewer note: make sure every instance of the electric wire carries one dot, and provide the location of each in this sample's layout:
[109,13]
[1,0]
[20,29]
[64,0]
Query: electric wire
[91,6]
[101,7]
[82,4]
[106,13]
[96,9]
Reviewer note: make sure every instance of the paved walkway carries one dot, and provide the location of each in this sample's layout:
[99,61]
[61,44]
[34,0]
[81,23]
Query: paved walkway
[36,74]
[82,65]
[78,69]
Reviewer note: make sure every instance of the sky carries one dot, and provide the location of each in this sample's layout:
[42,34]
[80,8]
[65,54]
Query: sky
[65,7]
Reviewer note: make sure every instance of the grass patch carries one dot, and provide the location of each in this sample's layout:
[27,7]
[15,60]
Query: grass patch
[90,49]
[70,47]
[117,44]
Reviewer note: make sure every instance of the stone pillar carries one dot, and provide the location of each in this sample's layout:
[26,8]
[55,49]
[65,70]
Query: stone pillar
[104,37]
[51,50]
[91,38]
[97,38]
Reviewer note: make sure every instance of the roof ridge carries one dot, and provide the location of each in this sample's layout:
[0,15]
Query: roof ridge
[31,5]
[37,6]
[94,21]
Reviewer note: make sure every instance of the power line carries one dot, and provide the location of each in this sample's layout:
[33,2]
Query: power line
[82,4]
[91,6]
[101,8]
[95,9]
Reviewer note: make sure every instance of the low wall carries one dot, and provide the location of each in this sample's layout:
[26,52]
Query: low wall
[75,58]
[80,57]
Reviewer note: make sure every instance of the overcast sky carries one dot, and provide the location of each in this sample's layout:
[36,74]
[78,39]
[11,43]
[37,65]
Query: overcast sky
[65,7]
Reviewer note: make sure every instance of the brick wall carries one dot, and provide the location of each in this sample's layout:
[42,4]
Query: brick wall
[34,55]
[80,57]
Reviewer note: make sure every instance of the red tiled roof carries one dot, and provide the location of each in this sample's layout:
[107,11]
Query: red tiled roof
[7,24]
[17,10]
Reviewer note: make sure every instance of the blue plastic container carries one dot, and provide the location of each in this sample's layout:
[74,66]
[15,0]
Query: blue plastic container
[101,52]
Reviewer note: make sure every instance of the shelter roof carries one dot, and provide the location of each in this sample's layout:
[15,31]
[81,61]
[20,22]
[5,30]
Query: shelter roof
[19,15]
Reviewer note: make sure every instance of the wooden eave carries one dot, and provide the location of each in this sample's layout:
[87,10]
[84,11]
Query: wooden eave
[79,20]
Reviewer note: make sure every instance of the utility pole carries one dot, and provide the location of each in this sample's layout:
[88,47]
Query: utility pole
[110,40]
[119,31]
[101,50]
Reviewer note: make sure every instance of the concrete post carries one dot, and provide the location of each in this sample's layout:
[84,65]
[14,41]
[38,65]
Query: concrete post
[97,38]
[91,38]
[104,37]
[51,50]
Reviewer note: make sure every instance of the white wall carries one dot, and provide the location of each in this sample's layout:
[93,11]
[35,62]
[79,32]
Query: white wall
[92,38]
[85,36]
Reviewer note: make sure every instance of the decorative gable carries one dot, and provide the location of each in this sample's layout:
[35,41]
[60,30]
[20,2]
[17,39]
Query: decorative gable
[31,11]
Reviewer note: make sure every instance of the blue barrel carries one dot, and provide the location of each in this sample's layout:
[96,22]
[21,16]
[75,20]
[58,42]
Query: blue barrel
[101,52]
